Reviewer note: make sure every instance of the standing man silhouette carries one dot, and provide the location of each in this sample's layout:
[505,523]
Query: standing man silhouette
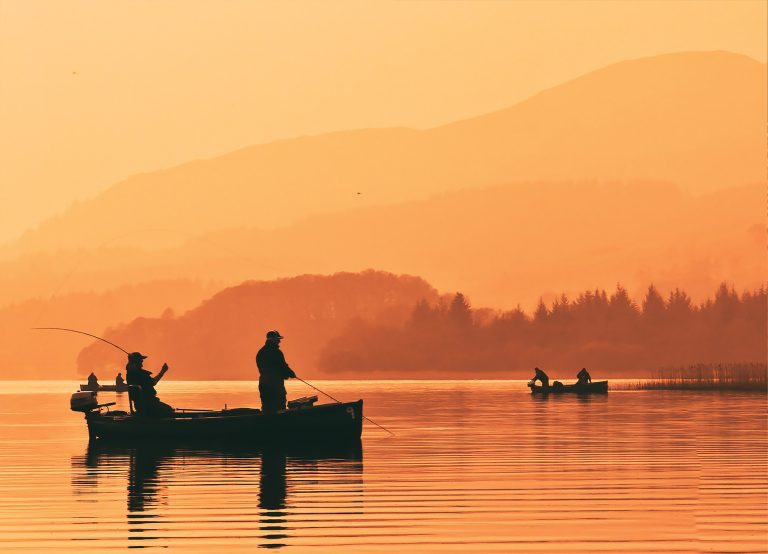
[273,371]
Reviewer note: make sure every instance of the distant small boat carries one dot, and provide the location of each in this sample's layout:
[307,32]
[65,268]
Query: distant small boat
[558,388]
[322,424]
[104,388]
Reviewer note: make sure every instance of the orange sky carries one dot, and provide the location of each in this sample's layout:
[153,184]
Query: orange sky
[92,92]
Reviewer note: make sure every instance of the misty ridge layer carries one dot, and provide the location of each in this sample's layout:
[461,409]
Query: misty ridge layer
[501,245]
[692,119]
[376,324]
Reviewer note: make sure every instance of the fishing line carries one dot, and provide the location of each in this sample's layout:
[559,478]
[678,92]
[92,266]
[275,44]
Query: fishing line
[340,402]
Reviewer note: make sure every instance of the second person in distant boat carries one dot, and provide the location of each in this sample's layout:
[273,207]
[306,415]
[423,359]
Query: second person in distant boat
[583,377]
[273,371]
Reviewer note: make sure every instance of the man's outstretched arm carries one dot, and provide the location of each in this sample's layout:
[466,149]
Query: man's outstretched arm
[156,380]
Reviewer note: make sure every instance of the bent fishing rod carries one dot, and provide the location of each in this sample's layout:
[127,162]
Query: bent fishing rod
[340,402]
[81,333]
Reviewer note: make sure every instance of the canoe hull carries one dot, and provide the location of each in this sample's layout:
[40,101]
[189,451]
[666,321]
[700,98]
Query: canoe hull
[595,387]
[327,423]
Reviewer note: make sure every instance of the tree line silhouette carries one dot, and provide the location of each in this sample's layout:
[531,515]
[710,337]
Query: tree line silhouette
[610,334]
[376,324]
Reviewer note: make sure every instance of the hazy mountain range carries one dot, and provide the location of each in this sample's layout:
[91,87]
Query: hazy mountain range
[692,119]
[650,170]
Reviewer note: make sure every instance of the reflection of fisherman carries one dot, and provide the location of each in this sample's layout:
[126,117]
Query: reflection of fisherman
[273,371]
[148,402]
[119,382]
[143,484]
[540,376]
[93,380]
[583,377]
[272,481]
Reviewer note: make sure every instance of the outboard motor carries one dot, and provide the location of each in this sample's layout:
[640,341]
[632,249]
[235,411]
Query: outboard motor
[84,401]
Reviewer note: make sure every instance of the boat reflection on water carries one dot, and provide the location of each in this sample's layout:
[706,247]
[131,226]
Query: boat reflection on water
[216,482]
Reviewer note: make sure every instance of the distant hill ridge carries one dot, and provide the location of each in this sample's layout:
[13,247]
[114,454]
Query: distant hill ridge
[220,337]
[694,119]
[501,245]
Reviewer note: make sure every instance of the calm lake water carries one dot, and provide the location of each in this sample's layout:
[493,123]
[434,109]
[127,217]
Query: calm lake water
[476,466]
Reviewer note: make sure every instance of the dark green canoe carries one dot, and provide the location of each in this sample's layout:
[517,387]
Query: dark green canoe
[324,423]
[598,387]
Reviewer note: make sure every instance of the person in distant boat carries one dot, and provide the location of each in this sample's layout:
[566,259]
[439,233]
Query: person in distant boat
[147,402]
[540,376]
[93,381]
[273,371]
[119,382]
[583,377]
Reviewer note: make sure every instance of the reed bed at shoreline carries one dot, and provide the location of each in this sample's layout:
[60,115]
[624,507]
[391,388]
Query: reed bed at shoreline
[721,377]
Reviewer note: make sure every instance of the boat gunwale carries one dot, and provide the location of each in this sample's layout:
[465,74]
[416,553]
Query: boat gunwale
[118,415]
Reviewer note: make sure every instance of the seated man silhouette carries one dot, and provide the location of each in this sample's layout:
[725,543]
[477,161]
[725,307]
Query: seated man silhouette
[93,380]
[540,376]
[119,382]
[583,377]
[147,403]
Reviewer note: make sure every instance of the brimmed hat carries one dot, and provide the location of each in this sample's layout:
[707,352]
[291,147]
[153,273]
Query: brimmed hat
[136,356]
[274,335]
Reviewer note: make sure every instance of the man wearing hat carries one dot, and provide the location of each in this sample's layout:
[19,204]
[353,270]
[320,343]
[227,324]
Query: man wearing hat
[273,371]
[147,402]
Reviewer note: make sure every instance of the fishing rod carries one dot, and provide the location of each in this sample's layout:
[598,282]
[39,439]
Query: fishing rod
[340,402]
[81,333]
[110,343]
